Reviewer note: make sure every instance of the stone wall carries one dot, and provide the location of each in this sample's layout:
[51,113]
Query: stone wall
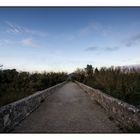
[13,113]
[125,114]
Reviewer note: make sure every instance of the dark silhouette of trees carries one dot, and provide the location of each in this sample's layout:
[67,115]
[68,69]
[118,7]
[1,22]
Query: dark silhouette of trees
[16,85]
[122,83]
[89,71]
[79,75]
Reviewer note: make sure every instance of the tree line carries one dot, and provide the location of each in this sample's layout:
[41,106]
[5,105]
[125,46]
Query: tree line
[15,85]
[120,82]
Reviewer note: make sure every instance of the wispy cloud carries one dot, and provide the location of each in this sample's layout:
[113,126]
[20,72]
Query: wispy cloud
[93,48]
[97,28]
[8,42]
[14,28]
[110,49]
[25,42]
[105,49]
[29,42]
[133,40]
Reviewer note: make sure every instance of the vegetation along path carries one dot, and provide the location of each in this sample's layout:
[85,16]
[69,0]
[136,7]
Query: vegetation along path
[68,110]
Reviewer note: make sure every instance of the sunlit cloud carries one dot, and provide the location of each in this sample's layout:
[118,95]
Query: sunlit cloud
[11,43]
[29,42]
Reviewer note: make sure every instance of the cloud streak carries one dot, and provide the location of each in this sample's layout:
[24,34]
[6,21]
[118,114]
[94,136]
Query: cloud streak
[29,42]
[25,42]
[93,48]
[133,40]
[16,29]
[105,49]
[8,42]
[111,49]
[97,28]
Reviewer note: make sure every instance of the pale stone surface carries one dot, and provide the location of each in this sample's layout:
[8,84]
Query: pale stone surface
[12,114]
[6,120]
[68,110]
[126,114]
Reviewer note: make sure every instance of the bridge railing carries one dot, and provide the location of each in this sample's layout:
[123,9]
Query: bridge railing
[13,113]
[127,115]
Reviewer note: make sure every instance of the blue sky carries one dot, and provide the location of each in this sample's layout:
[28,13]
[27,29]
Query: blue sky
[63,39]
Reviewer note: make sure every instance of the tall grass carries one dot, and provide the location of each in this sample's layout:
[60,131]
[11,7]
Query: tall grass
[15,85]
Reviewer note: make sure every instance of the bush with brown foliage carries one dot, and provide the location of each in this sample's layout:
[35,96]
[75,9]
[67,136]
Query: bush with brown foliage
[121,83]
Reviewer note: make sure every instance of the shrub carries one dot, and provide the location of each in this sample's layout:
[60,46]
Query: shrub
[122,83]
[16,85]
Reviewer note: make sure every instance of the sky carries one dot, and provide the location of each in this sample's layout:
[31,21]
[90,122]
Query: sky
[64,39]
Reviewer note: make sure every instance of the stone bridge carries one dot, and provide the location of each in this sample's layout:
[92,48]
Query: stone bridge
[71,108]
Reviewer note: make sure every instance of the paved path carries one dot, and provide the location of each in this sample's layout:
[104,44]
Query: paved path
[68,110]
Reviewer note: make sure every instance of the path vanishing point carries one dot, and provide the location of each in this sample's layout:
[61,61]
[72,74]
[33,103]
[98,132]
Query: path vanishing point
[68,110]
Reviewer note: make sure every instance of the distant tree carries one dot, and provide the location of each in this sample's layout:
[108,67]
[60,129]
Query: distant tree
[80,75]
[1,66]
[96,71]
[89,70]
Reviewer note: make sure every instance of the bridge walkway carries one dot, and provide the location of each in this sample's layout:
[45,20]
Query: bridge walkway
[68,110]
